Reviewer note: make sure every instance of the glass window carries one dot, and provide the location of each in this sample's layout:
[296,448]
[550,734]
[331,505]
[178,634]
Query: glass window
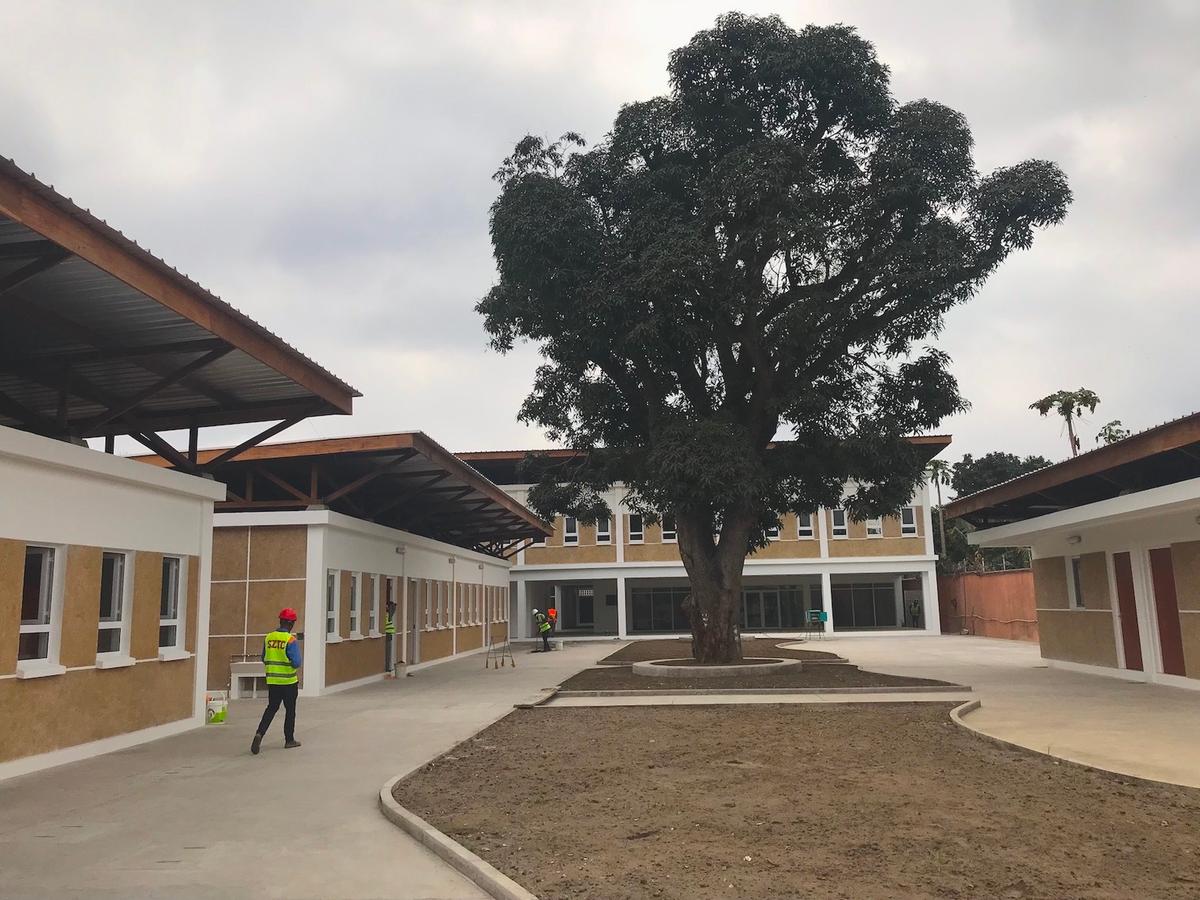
[839,523]
[1077,599]
[668,529]
[908,520]
[111,634]
[37,598]
[635,529]
[805,524]
[372,613]
[169,630]
[773,533]
[570,530]
[874,527]
[603,535]
[331,624]
[355,602]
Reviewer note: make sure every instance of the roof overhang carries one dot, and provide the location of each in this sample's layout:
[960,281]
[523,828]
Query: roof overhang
[102,338]
[405,481]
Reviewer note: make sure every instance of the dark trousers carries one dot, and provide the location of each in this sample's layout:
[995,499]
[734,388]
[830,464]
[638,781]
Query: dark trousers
[387,651]
[545,640]
[285,694]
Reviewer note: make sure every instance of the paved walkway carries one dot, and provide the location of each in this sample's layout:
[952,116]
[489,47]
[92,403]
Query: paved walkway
[1138,729]
[196,816]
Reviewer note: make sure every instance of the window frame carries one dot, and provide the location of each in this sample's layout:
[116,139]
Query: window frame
[801,528]
[570,531]
[372,604]
[907,529]
[333,605]
[355,605]
[1075,583]
[178,621]
[778,531]
[673,531]
[605,536]
[122,656]
[834,527]
[640,531]
[52,589]
[874,527]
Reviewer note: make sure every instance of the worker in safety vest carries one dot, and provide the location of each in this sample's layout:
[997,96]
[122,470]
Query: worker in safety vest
[281,658]
[552,614]
[543,627]
[389,632]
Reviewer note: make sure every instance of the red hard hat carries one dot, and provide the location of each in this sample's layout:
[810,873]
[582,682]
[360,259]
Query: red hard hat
[287,614]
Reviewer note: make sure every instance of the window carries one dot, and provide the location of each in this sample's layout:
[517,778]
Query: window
[570,530]
[170,630]
[426,590]
[443,588]
[37,602]
[874,527]
[603,534]
[805,524]
[331,611]
[839,523]
[372,604]
[1076,585]
[355,604]
[635,529]
[773,533]
[908,520]
[111,637]
[668,529]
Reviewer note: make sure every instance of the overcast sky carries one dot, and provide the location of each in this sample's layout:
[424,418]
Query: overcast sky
[326,169]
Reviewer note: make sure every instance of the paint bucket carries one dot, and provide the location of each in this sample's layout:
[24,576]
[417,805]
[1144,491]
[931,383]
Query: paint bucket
[216,707]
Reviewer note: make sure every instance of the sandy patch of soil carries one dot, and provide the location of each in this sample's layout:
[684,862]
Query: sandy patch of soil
[672,648]
[875,801]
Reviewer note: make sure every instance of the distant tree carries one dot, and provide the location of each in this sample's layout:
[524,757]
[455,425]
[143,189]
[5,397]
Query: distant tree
[1111,432]
[974,475]
[1069,405]
[766,248]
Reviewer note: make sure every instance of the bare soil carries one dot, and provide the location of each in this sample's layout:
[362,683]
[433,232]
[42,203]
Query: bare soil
[853,801]
[621,678]
[674,648]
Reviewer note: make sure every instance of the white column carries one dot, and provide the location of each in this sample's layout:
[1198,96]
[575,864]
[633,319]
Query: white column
[927,520]
[827,600]
[899,597]
[622,626]
[823,533]
[313,649]
[929,595]
[618,526]
[519,627]
[204,601]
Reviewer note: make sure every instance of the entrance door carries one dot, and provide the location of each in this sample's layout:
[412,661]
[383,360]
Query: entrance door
[1166,605]
[1131,637]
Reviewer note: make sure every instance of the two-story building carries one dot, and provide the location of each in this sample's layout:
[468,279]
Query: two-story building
[623,577]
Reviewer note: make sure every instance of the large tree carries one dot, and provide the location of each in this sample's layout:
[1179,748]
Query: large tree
[763,250]
[971,475]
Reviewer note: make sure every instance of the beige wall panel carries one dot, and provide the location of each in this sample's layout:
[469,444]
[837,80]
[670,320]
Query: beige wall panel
[891,527]
[470,638]
[555,539]
[909,546]
[652,553]
[1189,627]
[652,533]
[1050,583]
[1186,560]
[220,652]
[499,632]
[436,644]
[587,534]
[344,605]
[147,588]
[807,548]
[1078,636]
[539,556]
[227,608]
[267,598]
[81,607]
[45,714]
[1093,573]
[351,660]
[229,554]
[278,551]
[192,613]
[12,579]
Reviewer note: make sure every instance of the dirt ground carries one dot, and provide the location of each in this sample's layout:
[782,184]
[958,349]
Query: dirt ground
[876,801]
[621,678]
[673,648]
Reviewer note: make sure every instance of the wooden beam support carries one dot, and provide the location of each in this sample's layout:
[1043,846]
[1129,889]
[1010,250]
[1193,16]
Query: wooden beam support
[131,403]
[233,452]
[368,477]
[287,488]
[408,495]
[156,444]
[32,270]
[43,362]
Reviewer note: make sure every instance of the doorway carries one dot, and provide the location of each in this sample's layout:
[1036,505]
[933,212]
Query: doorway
[1166,608]
[1131,635]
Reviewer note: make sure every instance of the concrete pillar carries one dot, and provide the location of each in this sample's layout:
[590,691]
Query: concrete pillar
[929,597]
[520,627]
[901,610]
[827,600]
[622,613]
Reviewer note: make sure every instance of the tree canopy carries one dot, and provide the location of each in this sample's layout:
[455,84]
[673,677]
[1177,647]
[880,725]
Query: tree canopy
[970,475]
[767,249]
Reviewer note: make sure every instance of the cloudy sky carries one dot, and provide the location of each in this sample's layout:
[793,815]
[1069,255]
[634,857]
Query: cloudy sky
[326,169]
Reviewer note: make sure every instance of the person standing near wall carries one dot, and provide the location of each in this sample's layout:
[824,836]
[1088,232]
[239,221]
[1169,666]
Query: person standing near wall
[281,659]
[389,636]
[543,627]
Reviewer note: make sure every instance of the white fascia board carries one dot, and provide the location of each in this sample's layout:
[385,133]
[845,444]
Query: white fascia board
[329,519]
[1128,508]
[35,449]
[807,566]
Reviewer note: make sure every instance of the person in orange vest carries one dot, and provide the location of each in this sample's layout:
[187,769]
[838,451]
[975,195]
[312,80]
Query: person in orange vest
[552,614]
[281,659]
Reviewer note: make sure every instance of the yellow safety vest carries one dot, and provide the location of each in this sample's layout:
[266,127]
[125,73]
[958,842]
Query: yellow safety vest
[389,627]
[279,668]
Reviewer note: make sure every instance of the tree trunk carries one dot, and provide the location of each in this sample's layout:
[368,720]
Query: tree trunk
[941,515]
[715,578]
[1071,435]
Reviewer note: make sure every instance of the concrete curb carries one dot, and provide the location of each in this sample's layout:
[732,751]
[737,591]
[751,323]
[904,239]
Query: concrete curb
[490,879]
[702,692]
[957,717]
[541,701]
[663,668]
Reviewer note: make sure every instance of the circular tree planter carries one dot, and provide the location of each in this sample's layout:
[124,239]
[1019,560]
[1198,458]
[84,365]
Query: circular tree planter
[686,668]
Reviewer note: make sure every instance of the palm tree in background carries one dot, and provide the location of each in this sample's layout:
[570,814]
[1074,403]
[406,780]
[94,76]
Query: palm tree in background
[939,474]
[1070,405]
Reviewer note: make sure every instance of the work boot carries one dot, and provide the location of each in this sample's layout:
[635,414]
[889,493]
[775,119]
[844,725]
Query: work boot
[256,744]
[288,745]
